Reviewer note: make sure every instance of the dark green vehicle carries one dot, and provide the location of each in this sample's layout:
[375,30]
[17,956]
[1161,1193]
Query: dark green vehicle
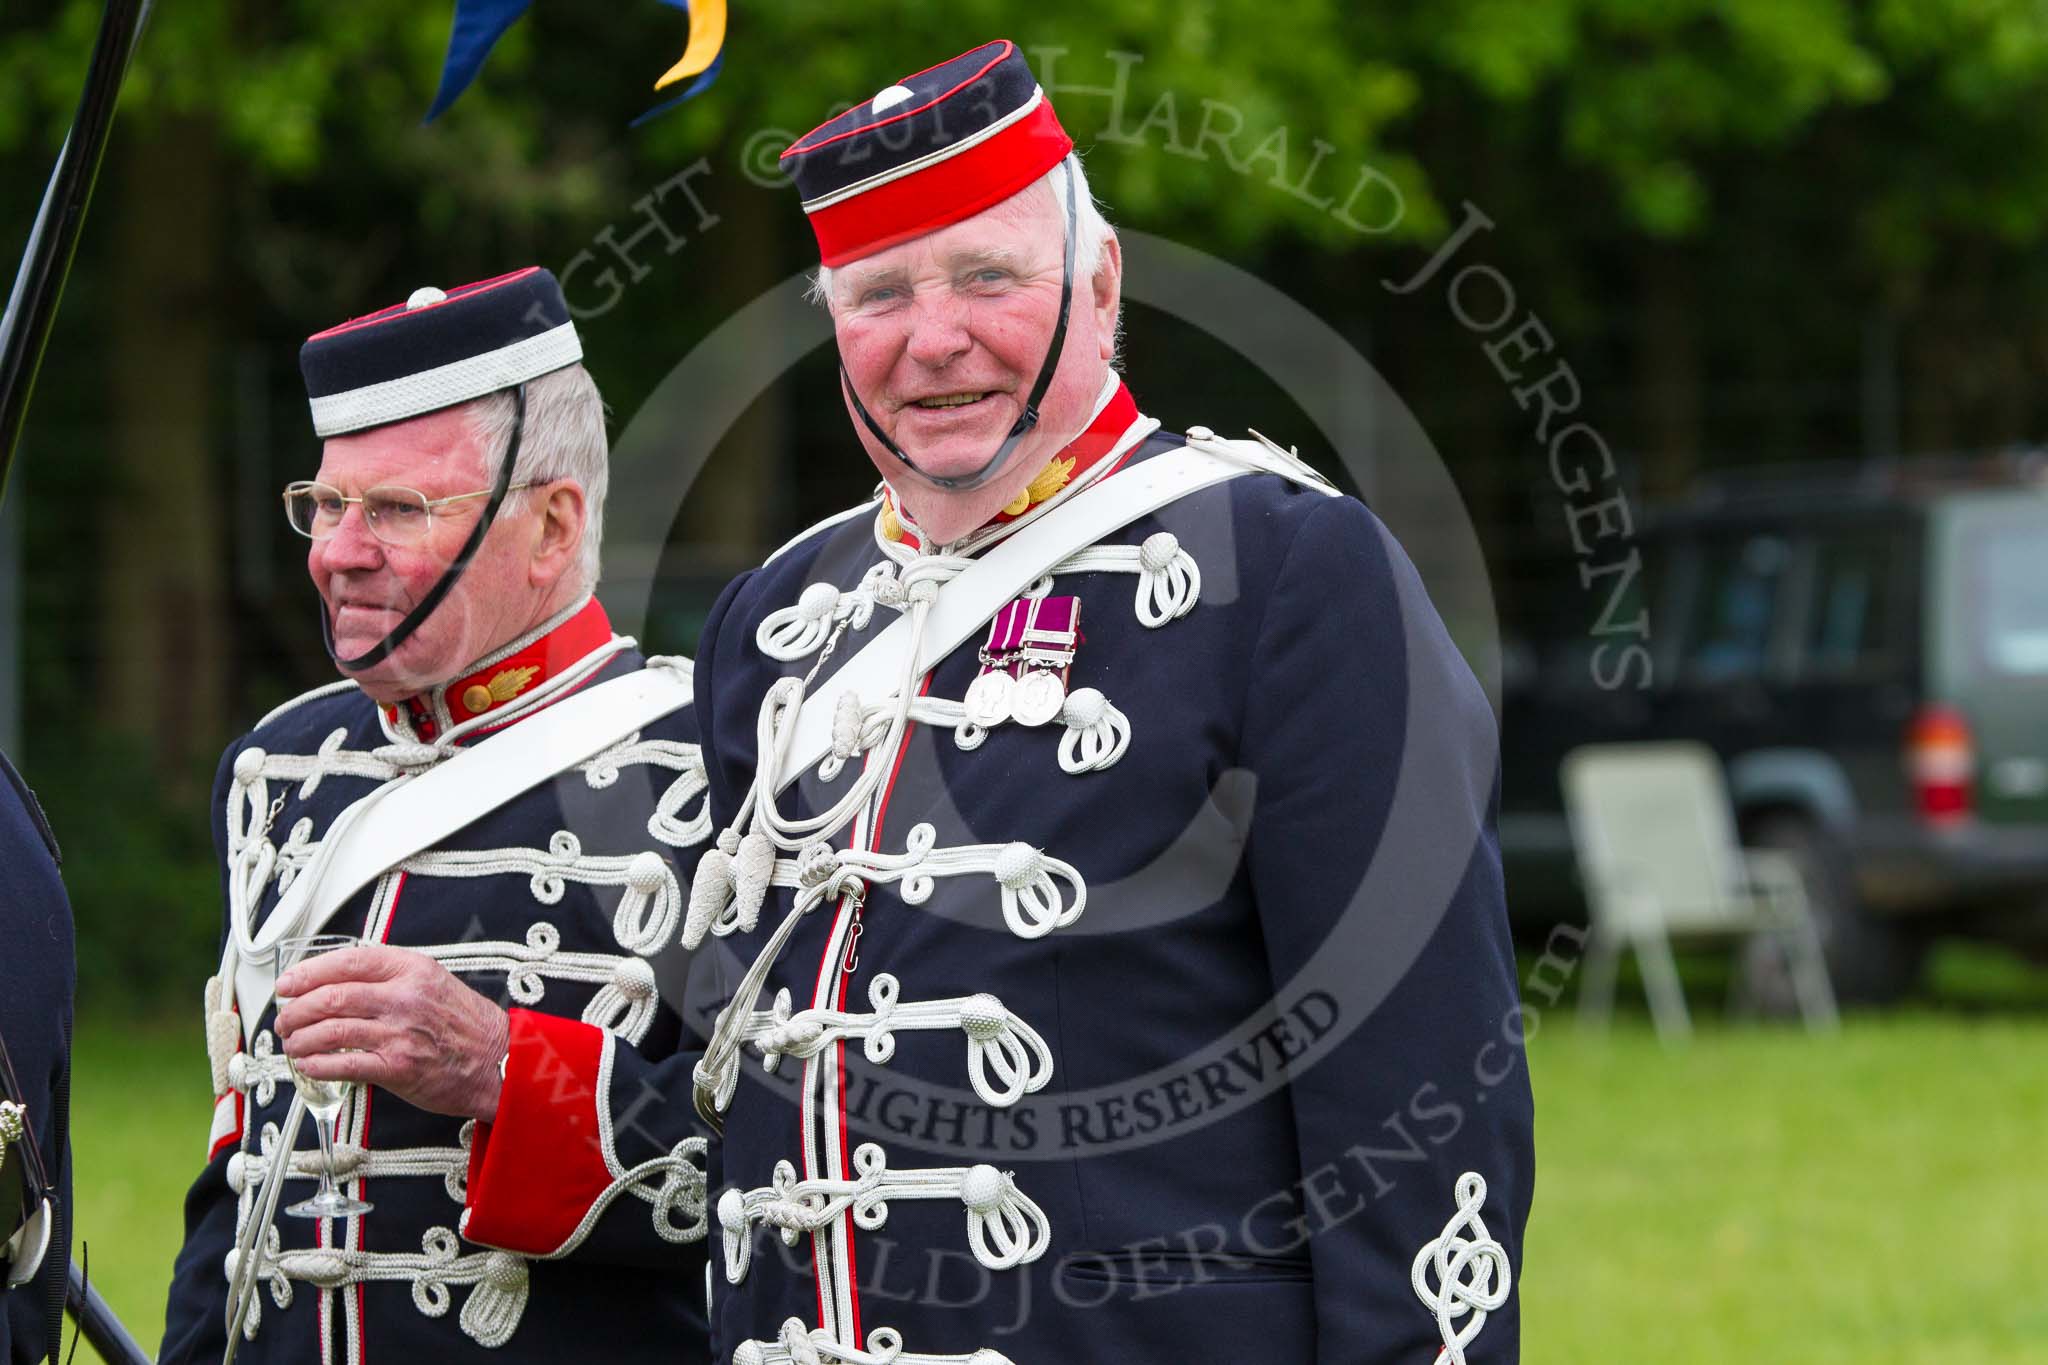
[1869,656]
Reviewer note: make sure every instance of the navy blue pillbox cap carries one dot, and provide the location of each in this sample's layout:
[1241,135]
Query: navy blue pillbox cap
[437,349]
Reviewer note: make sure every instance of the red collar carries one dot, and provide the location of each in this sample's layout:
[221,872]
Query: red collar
[504,676]
[1078,456]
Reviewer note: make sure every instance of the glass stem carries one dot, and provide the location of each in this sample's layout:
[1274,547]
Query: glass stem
[328,1192]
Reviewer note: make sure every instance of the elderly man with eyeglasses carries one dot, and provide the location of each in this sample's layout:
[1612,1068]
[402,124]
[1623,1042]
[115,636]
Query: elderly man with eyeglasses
[497,809]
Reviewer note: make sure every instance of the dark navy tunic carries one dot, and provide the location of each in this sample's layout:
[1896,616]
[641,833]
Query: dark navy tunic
[1284,1032]
[35,1022]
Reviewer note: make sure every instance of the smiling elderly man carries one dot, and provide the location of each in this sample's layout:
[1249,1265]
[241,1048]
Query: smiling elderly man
[1106,871]
[496,805]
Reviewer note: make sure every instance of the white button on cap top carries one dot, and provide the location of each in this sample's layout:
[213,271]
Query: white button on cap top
[890,98]
[423,296]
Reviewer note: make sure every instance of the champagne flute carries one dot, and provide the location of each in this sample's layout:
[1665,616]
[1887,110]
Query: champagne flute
[323,1098]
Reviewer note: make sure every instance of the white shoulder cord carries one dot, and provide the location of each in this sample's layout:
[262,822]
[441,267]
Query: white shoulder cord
[245,1268]
[714,1075]
[919,587]
[742,868]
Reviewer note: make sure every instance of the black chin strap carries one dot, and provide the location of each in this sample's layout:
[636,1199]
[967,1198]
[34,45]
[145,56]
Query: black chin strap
[417,617]
[1026,420]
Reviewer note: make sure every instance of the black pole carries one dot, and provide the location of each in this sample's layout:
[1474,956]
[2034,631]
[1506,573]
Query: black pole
[32,307]
[98,1325]
[24,331]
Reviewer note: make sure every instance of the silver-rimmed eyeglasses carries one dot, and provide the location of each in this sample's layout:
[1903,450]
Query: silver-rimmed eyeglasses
[396,515]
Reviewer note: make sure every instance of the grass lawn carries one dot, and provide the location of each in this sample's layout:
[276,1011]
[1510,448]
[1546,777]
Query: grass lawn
[1879,1198]
[1875,1198]
[140,1107]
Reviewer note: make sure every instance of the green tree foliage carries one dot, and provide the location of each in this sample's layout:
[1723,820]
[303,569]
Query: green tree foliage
[1646,91]
[1733,214]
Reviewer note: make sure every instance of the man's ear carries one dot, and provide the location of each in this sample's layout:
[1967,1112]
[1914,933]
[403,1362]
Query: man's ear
[558,539]
[1107,294]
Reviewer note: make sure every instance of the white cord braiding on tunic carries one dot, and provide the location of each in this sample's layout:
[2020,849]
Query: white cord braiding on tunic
[1449,1254]
[1169,580]
[776,740]
[498,1279]
[1033,904]
[1005,1227]
[998,1041]
[797,1345]
[732,879]
[856,729]
[624,1003]
[789,633]
[1097,733]
[914,588]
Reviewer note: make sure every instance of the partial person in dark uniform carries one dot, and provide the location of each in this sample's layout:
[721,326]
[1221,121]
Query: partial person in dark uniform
[499,804]
[37,977]
[1106,894]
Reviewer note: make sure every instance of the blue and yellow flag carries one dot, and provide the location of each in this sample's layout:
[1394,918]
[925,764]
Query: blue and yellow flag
[480,23]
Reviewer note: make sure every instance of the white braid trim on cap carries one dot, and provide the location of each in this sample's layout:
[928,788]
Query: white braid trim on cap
[410,395]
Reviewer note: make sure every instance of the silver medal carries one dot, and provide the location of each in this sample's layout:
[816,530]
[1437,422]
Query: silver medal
[988,699]
[1039,697]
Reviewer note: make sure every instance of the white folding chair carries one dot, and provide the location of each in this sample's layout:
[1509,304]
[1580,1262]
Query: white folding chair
[1657,850]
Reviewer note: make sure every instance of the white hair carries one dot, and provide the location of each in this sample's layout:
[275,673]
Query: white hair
[563,437]
[1091,230]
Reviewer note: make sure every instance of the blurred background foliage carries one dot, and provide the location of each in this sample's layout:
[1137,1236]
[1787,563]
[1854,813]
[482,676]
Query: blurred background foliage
[1760,230]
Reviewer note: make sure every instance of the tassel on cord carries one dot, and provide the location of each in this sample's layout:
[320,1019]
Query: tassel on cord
[711,889]
[1169,580]
[223,1033]
[646,915]
[1097,733]
[752,867]
[491,1313]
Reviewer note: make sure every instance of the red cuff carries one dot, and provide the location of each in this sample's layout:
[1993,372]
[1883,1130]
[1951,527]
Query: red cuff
[536,1170]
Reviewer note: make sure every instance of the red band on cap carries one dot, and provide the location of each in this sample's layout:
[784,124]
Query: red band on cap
[946,192]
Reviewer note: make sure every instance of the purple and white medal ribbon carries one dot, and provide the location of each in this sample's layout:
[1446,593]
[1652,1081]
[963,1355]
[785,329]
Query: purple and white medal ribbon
[1024,664]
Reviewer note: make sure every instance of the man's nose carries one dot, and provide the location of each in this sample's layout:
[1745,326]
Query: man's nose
[938,329]
[352,546]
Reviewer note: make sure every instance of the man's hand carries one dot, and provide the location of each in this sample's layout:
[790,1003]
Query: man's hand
[413,1028]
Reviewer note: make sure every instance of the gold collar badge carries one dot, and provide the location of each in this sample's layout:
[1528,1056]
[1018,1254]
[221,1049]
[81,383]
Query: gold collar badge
[1050,480]
[503,687]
